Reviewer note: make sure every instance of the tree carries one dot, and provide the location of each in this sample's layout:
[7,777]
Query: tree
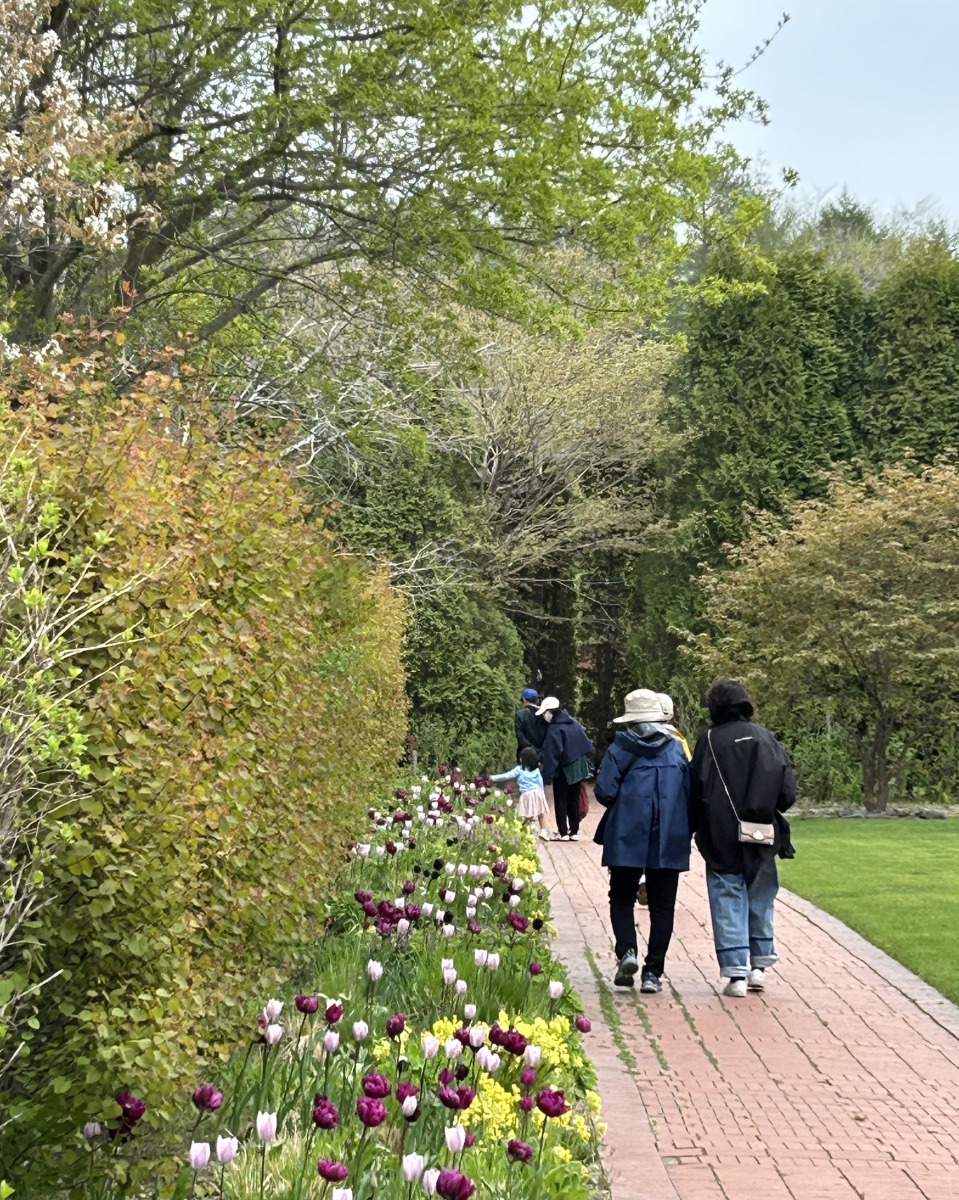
[461,144]
[757,408]
[851,614]
[910,401]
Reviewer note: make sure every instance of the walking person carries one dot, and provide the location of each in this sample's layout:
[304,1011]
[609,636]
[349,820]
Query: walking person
[532,806]
[644,785]
[742,783]
[565,765]
[530,729]
[668,713]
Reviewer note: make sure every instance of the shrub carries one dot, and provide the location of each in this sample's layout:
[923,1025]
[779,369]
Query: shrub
[234,700]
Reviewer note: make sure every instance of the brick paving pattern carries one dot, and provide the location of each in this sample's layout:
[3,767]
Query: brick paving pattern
[840,1082]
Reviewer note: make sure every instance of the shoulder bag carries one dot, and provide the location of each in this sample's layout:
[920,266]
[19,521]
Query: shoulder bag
[753,833]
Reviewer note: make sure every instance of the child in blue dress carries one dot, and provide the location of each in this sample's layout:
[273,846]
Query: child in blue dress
[532,805]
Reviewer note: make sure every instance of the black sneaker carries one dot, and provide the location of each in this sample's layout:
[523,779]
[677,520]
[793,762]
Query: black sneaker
[651,982]
[626,968]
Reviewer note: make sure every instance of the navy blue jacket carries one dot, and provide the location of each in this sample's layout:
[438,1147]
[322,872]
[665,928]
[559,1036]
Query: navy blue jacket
[566,741]
[644,784]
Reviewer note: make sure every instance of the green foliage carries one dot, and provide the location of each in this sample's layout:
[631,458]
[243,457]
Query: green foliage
[42,747]
[456,143]
[758,408]
[463,657]
[850,616]
[233,698]
[465,663]
[910,402]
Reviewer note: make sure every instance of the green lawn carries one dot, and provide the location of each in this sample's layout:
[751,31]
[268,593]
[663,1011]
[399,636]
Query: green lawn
[896,882]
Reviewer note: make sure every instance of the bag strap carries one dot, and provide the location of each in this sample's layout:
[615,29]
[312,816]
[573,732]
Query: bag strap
[709,739]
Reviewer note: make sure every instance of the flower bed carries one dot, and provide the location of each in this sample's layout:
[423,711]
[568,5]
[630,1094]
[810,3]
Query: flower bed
[434,1048]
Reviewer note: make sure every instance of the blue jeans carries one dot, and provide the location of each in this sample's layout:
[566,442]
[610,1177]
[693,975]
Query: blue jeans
[741,907]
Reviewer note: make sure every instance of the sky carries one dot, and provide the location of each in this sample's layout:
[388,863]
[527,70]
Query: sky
[863,94]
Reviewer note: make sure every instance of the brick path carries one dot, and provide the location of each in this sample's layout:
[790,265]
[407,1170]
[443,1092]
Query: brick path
[840,1082]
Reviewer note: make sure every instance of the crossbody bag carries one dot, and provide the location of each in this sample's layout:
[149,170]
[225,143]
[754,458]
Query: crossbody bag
[753,833]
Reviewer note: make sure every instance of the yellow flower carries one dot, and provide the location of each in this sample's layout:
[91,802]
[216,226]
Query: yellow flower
[592,1102]
[444,1027]
[562,1153]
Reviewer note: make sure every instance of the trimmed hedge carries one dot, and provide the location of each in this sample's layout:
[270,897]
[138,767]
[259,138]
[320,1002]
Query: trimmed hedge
[236,695]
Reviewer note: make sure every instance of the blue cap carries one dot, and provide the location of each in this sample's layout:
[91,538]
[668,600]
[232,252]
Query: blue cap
[530,694]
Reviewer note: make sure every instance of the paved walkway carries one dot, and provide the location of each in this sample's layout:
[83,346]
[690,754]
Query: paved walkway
[840,1082]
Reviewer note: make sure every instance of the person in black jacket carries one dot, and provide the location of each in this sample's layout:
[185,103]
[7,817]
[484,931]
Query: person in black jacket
[531,730]
[740,773]
[565,765]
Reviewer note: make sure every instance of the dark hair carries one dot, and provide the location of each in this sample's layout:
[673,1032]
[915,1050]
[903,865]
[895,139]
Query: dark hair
[529,758]
[728,700]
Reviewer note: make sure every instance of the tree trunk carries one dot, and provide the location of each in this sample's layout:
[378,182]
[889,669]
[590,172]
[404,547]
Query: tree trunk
[875,766]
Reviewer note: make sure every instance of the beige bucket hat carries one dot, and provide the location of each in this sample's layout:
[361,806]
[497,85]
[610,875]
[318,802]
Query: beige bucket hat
[641,705]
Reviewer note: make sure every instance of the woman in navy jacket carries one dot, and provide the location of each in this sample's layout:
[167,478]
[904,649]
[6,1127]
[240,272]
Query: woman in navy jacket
[644,785]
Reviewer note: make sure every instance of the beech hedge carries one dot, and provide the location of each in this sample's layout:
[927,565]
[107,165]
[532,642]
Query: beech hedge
[241,689]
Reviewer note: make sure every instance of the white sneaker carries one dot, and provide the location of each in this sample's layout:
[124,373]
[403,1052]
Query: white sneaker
[544,834]
[735,987]
[574,837]
[757,979]
[563,837]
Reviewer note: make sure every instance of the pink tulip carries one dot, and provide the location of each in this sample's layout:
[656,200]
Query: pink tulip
[360,1031]
[429,1180]
[413,1167]
[226,1148]
[273,1034]
[199,1155]
[455,1138]
[266,1126]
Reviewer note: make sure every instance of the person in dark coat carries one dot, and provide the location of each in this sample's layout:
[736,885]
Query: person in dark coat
[565,765]
[740,772]
[644,785]
[531,730]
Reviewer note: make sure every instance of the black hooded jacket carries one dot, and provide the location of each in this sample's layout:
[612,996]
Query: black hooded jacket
[761,782]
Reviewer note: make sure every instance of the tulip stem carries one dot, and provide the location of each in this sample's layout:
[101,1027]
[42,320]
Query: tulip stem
[222,1173]
[262,1169]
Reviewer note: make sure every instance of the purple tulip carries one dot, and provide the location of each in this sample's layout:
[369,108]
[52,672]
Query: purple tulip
[207,1098]
[514,1042]
[307,1004]
[413,912]
[526,1103]
[376,1086]
[332,1172]
[456,1098]
[396,1024]
[583,1024]
[391,847]
[519,1151]
[372,1112]
[519,922]
[369,907]
[462,1035]
[404,1090]
[334,1012]
[551,1102]
[409,887]
[453,1185]
[132,1110]
[325,1115]
[535,968]
[528,1077]
[470,1140]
